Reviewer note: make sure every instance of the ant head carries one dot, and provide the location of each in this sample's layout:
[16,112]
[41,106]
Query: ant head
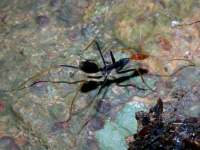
[89,86]
[124,61]
[88,67]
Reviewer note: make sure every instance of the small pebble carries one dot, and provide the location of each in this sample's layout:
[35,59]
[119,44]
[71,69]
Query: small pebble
[54,3]
[103,106]
[96,124]
[9,143]
[60,125]
[42,21]
[175,23]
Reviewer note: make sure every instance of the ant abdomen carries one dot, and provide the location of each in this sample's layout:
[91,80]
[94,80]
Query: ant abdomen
[89,67]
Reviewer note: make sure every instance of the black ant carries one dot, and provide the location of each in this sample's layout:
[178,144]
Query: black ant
[89,66]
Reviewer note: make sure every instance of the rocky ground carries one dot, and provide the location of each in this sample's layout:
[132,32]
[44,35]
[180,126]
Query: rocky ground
[35,35]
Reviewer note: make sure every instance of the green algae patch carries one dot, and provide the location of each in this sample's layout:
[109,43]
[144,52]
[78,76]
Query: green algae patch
[113,135]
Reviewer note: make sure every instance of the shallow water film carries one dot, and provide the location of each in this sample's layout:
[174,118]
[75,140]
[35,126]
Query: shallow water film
[75,74]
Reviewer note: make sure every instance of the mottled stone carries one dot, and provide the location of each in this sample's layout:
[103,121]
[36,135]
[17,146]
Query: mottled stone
[67,27]
[96,123]
[42,21]
[103,106]
[55,3]
[7,142]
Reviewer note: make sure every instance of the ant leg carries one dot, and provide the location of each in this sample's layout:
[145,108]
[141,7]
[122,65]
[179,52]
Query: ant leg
[191,64]
[103,84]
[112,57]
[90,43]
[94,77]
[92,105]
[140,74]
[125,71]
[71,106]
[98,47]
[64,124]
[91,60]
[69,66]
[188,24]
[48,81]
[132,85]
[24,85]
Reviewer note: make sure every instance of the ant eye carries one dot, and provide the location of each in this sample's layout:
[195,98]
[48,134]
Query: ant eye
[89,67]
[89,86]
